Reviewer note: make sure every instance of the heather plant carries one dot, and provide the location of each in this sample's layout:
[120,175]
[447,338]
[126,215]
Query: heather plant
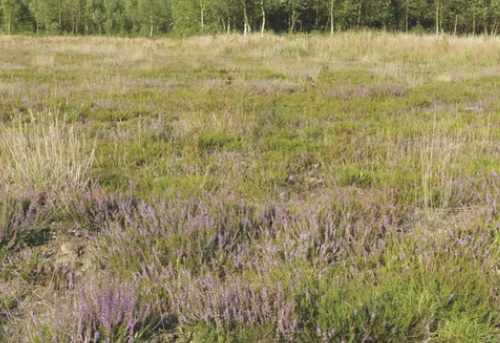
[7,231]
[100,310]
[24,221]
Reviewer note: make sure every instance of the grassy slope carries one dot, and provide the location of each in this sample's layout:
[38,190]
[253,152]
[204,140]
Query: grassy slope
[243,189]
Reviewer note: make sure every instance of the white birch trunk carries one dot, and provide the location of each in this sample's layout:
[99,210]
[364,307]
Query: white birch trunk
[151,26]
[437,17]
[202,15]
[332,25]
[246,29]
[263,27]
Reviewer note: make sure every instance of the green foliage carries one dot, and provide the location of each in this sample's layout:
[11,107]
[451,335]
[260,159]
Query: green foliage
[185,15]
[353,176]
[188,17]
[217,140]
[11,10]
[465,329]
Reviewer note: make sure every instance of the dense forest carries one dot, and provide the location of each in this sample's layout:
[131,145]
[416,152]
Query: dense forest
[187,17]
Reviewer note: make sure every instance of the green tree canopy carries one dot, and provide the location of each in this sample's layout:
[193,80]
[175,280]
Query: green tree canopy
[187,17]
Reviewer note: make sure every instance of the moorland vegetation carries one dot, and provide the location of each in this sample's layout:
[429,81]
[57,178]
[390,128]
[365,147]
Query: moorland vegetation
[250,189]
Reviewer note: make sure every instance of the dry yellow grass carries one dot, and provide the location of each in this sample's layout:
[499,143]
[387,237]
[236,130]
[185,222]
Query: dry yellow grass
[44,154]
[306,54]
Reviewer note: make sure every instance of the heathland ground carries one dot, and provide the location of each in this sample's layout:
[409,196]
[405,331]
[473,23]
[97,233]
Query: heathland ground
[250,189]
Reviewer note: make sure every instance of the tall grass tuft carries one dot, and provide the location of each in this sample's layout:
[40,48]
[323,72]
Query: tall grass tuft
[45,154]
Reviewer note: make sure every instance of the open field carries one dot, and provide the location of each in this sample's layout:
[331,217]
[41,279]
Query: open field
[250,189]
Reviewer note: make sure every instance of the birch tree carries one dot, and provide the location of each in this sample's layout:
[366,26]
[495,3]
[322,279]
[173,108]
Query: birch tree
[186,16]
[494,11]
[10,11]
[246,22]
[41,13]
[75,12]
[96,14]
[331,8]
[152,15]
[114,13]
[293,9]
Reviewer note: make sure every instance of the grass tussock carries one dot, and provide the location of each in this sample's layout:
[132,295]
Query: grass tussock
[43,153]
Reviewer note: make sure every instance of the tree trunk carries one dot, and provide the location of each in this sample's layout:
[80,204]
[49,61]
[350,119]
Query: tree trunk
[246,29]
[293,21]
[437,18]
[455,27]
[316,16]
[332,24]
[474,24]
[151,26]
[407,15]
[8,17]
[359,13]
[202,15]
[441,19]
[263,27]
[59,23]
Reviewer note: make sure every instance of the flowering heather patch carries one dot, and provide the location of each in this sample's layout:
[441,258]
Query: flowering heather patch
[227,263]
[230,302]
[342,267]
[22,218]
[105,310]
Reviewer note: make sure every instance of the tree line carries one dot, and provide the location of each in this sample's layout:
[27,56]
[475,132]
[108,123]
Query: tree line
[189,17]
